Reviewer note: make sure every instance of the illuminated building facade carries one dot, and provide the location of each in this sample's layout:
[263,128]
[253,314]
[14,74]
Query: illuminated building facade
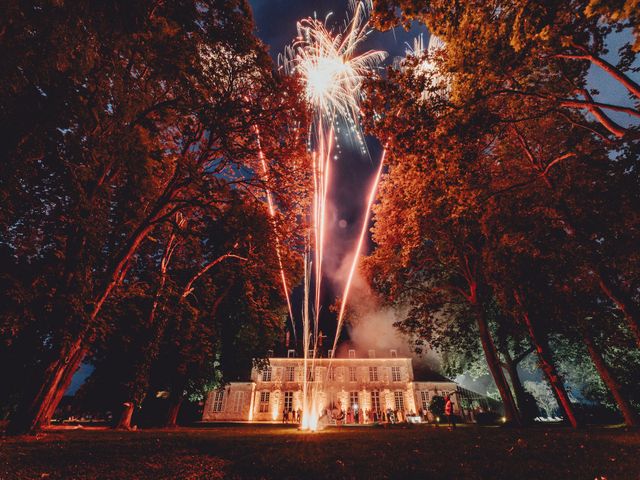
[368,382]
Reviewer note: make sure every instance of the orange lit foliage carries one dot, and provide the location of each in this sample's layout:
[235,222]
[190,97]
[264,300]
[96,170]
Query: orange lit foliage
[496,177]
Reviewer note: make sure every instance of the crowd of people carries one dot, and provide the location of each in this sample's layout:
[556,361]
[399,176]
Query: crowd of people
[354,415]
[292,416]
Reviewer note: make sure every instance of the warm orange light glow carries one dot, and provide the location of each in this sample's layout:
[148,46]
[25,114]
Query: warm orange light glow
[251,404]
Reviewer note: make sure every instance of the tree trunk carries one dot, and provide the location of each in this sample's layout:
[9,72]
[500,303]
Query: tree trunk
[493,362]
[630,416]
[548,367]
[33,415]
[65,381]
[124,423]
[520,393]
[42,405]
[622,301]
[174,408]
[43,401]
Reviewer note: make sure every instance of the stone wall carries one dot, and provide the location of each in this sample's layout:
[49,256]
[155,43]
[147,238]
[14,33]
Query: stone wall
[236,403]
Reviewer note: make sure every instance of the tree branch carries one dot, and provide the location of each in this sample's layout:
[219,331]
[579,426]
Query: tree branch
[188,288]
[590,104]
[555,161]
[522,355]
[616,73]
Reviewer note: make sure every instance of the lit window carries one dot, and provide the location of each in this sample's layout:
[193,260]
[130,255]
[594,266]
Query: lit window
[331,396]
[373,374]
[266,374]
[372,354]
[290,374]
[395,374]
[394,353]
[399,398]
[375,400]
[238,402]
[352,354]
[352,374]
[353,399]
[424,396]
[264,402]
[288,401]
[218,396]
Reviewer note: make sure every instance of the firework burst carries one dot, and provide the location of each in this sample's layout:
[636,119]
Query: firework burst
[328,65]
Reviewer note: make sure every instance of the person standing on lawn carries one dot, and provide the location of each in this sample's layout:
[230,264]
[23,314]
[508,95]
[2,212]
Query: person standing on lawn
[448,411]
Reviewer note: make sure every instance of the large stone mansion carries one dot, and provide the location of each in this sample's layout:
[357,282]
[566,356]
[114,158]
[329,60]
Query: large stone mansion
[377,381]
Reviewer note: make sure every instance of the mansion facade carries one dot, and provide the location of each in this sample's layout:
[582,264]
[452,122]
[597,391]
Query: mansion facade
[370,383]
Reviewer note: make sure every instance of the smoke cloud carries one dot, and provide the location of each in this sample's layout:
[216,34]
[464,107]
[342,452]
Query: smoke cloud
[371,325]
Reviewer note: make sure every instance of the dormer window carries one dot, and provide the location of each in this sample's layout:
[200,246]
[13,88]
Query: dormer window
[291,353]
[270,353]
[352,354]
[394,353]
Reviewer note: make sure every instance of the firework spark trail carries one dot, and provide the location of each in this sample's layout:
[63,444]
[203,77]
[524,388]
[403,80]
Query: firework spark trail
[304,421]
[333,73]
[356,256]
[272,213]
[323,166]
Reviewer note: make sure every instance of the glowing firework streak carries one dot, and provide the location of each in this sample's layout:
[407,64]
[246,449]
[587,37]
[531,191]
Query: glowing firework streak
[332,74]
[272,213]
[322,165]
[356,257]
[304,421]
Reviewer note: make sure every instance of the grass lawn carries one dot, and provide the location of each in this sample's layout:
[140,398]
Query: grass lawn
[274,451]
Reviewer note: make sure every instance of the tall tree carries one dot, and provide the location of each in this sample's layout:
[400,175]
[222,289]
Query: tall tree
[503,104]
[142,112]
[429,240]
